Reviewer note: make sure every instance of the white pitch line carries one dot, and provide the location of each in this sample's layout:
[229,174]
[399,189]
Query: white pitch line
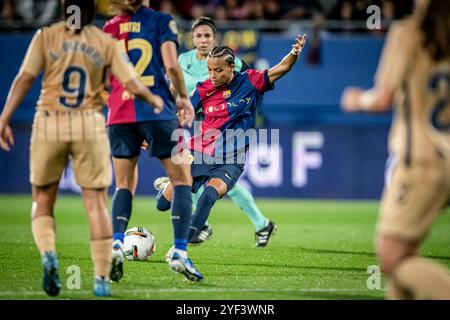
[199,290]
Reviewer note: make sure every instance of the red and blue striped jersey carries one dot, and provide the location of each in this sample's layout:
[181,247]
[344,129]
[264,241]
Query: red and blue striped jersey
[231,106]
[142,34]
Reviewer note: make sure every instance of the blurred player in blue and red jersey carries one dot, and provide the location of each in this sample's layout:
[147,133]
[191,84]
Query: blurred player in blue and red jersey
[229,100]
[150,39]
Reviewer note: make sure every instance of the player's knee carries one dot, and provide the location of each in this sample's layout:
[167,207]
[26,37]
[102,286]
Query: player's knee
[387,263]
[125,183]
[219,185]
[94,201]
[43,202]
[391,256]
[182,179]
[95,207]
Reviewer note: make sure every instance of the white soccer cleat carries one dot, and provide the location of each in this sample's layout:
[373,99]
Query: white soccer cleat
[184,266]
[161,183]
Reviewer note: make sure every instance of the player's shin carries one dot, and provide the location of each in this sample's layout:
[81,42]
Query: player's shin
[121,212]
[244,199]
[43,227]
[204,206]
[101,256]
[181,215]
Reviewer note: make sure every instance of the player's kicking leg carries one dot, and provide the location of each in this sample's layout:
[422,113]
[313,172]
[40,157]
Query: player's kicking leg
[214,190]
[240,196]
[43,227]
[164,197]
[218,180]
[206,231]
[181,179]
[263,226]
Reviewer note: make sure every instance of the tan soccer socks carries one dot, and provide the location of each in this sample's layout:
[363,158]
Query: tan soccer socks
[43,228]
[102,256]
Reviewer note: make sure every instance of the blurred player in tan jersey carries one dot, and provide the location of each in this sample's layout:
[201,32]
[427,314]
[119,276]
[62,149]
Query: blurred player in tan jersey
[69,124]
[414,73]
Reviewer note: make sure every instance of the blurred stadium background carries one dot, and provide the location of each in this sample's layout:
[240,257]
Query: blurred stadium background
[322,153]
[323,247]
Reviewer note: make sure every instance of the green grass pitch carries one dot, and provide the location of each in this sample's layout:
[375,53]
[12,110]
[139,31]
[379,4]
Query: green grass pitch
[322,250]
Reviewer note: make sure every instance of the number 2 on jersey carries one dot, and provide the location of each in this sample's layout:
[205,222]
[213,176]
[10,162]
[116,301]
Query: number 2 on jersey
[76,91]
[146,50]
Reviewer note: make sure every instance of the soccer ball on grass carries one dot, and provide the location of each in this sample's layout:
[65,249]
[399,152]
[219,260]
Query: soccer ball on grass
[139,244]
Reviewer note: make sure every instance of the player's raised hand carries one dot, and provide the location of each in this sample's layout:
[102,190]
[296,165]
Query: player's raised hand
[185,111]
[299,43]
[6,136]
[350,99]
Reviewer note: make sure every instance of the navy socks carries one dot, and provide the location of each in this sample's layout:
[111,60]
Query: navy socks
[204,206]
[121,212]
[162,204]
[181,215]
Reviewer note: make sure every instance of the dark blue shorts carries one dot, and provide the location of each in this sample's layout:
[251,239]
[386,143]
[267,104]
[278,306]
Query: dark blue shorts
[126,139]
[228,173]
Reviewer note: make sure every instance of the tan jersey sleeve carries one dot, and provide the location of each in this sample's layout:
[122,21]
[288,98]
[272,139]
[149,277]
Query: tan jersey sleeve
[396,56]
[33,62]
[121,66]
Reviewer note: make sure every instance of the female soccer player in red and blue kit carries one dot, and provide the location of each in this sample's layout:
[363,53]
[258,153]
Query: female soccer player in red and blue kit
[229,100]
[150,39]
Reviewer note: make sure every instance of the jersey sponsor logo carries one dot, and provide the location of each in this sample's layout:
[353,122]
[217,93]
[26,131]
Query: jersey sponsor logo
[211,109]
[231,104]
[173,27]
[227,94]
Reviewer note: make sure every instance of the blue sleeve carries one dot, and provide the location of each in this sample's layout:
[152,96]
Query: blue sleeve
[168,29]
[196,100]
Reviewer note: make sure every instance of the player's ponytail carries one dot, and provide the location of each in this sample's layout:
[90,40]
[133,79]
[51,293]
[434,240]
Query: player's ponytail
[87,10]
[435,26]
[222,51]
[124,6]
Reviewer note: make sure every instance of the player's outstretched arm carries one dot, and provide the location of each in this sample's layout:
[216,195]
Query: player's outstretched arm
[373,100]
[173,69]
[288,61]
[137,88]
[19,89]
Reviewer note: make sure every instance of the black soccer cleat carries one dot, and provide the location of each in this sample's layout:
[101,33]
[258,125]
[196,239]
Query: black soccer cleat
[204,234]
[263,235]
